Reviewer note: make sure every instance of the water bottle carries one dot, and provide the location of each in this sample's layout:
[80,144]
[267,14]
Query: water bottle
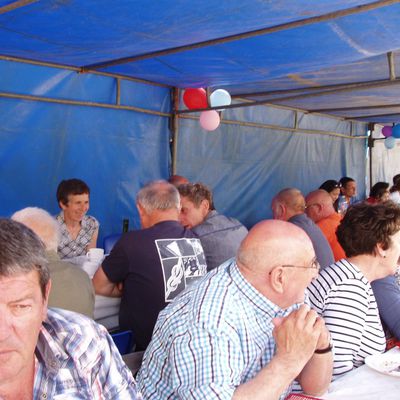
[342,205]
[125,225]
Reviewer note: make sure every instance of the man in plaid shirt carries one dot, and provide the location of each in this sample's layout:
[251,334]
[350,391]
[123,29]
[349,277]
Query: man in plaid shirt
[49,353]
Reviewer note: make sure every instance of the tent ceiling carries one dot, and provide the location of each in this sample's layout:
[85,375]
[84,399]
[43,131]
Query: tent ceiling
[336,57]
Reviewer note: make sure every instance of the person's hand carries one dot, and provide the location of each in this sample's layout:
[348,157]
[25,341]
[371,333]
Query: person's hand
[297,337]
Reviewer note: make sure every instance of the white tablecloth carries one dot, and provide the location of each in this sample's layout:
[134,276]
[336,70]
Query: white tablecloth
[365,383]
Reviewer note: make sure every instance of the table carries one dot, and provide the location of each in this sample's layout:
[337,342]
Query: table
[365,383]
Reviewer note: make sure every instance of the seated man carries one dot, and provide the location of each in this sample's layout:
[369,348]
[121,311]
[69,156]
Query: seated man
[220,236]
[153,264]
[71,287]
[49,353]
[319,208]
[241,333]
[289,205]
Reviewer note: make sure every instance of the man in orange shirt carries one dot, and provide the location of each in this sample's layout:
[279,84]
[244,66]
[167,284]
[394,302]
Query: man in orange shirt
[319,208]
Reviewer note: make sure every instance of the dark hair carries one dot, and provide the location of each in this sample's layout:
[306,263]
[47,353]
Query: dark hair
[22,251]
[365,225]
[378,190]
[196,193]
[345,180]
[330,185]
[71,186]
[396,184]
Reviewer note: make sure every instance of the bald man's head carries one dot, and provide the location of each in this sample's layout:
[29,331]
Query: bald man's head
[277,258]
[287,203]
[272,242]
[319,205]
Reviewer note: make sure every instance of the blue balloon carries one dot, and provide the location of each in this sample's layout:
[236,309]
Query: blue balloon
[390,142]
[396,131]
[220,97]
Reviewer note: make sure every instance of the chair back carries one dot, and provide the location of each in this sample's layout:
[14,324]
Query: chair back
[109,242]
[133,361]
[124,341]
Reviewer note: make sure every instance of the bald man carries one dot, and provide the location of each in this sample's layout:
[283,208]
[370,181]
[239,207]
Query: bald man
[289,205]
[319,208]
[243,332]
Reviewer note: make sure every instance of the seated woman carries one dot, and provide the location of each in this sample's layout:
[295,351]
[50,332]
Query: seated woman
[342,293]
[379,193]
[78,231]
[333,188]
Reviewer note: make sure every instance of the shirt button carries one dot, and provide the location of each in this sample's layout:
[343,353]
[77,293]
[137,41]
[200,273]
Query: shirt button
[44,396]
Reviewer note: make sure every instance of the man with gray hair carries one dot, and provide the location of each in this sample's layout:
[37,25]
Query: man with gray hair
[49,353]
[148,268]
[71,287]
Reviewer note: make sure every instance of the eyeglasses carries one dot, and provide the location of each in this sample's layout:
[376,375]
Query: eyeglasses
[314,265]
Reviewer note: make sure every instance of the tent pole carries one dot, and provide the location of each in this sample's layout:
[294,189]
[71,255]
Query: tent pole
[175,128]
[370,146]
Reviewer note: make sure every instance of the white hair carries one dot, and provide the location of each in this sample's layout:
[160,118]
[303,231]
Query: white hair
[42,223]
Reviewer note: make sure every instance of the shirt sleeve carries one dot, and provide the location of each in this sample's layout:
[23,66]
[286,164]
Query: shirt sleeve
[387,294]
[113,376]
[116,264]
[206,365]
[345,313]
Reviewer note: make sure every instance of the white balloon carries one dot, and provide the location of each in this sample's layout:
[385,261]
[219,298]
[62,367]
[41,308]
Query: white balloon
[220,97]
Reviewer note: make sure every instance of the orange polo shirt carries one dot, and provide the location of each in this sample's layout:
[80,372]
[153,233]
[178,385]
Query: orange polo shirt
[328,227]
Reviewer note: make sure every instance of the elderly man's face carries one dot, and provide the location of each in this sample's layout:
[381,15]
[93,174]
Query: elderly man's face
[22,310]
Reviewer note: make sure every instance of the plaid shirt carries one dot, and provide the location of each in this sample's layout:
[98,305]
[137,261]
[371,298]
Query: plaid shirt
[211,339]
[76,358]
[68,248]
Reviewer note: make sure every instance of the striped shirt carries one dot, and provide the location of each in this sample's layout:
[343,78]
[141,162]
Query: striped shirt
[69,248]
[76,358]
[343,297]
[214,337]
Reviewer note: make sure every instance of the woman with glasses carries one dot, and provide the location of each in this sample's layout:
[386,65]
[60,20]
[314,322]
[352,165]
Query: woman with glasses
[342,293]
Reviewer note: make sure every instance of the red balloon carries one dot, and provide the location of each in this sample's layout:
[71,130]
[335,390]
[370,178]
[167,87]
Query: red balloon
[195,98]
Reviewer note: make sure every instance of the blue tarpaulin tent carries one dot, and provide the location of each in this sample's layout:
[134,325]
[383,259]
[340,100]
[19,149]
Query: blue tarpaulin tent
[92,90]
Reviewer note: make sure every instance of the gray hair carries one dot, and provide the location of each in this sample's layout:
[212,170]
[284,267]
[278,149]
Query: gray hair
[21,252]
[158,195]
[42,223]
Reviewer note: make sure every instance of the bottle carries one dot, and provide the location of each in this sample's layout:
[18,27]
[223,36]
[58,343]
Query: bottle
[125,225]
[342,205]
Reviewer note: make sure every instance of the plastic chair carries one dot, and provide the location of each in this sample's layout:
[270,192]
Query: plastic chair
[109,242]
[133,361]
[124,341]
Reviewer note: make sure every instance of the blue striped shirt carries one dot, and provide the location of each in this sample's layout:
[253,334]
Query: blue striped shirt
[76,358]
[214,337]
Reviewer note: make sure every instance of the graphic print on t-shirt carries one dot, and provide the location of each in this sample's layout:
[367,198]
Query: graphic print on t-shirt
[182,261]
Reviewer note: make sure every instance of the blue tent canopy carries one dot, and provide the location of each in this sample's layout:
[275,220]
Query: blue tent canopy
[92,90]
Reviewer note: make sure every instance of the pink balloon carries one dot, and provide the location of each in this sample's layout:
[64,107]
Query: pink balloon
[387,131]
[209,120]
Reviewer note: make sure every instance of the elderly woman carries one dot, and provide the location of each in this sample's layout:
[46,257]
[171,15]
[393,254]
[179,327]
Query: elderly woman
[342,293]
[78,231]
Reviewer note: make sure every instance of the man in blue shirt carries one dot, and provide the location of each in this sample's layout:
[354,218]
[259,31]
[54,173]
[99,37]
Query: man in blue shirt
[242,332]
[49,353]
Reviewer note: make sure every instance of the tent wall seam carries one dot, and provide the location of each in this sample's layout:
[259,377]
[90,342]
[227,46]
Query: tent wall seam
[282,128]
[81,103]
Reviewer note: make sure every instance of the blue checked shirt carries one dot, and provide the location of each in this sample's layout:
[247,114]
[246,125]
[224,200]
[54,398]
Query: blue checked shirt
[76,358]
[211,339]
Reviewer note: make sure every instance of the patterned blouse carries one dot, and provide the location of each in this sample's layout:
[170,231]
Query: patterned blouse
[69,248]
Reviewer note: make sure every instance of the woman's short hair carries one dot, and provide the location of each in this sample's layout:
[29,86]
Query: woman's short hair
[330,185]
[366,225]
[378,190]
[196,193]
[71,186]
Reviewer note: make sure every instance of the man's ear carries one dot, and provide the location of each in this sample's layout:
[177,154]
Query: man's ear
[46,300]
[62,205]
[205,207]
[277,278]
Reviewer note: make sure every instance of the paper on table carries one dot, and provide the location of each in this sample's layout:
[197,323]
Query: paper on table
[299,396]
